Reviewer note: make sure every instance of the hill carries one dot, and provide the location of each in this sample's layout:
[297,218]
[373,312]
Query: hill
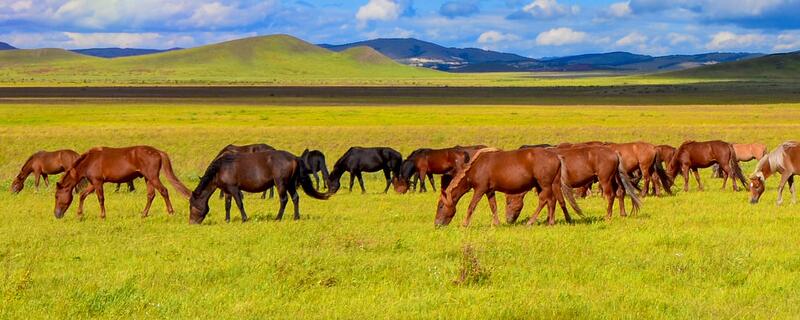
[774,66]
[119,52]
[277,59]
[426,54]
[6,46]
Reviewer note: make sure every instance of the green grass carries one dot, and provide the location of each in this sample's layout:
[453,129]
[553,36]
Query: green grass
[698,254]
[776,66]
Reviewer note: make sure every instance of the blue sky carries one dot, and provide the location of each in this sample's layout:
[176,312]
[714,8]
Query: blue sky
[535,28]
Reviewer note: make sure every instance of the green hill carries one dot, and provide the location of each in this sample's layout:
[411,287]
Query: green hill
[771,67]
[278,59]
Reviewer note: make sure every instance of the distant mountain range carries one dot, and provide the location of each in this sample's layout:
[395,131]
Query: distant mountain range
[6,46]
[769,67]
[119,52]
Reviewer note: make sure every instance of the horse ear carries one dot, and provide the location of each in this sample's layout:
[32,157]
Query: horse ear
[305,153]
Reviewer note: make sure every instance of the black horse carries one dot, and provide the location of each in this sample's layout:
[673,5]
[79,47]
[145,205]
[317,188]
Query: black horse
[357,160]
[253,172]
[249,148]
[315,160]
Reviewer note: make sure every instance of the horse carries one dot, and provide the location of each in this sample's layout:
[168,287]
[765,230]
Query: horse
[693,155]
[359,159]
[584,164]
[665,154]
[785,160]
[249,148]
[41,164]
[253,172]
[426,162]
[642,157]
[316,163]
[104,164]
[510,172]
[744,152]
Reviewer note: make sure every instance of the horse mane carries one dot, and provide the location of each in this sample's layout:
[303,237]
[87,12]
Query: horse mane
[774,159]
[28,162]
[460,174]
[212,170]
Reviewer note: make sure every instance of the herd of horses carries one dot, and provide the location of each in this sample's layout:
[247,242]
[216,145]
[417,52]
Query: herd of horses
[557,173]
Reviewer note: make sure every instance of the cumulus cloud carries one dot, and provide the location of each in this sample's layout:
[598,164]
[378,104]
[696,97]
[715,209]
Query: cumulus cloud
[728,40]
[619,9]
[679,38]
[452,9]
[560,37]
[383,10]
[787,42]
[496,37]
[633,38]
[545,9]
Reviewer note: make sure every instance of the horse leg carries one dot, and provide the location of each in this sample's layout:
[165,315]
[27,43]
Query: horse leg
[164,194]
[476,196]
[724,176]
[46,180]
[430,178]
[791,188]
[547,195]
[228,199]
[272,193]
[36,176]
[316,178]
[221,194]
[116,190]
[608,193]
[559,196]
[284,198]
[539,207]
[264,194]
[388,176]
[361,183]
[352,179]
[784,179]
[621,197]
[295,201]
[237,196]
[101,198]
[151,194]
[83,196]
[131,187]
[493,205]
[422,174]
[697,177]
[685,174]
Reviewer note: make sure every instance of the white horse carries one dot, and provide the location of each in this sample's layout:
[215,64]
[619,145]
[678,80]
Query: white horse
[785,160]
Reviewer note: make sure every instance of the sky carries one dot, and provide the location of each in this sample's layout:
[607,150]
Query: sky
[533,28]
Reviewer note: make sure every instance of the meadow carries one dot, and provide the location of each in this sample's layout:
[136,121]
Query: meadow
[703,254]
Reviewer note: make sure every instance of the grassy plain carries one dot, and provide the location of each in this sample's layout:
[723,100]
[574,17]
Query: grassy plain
[698,254]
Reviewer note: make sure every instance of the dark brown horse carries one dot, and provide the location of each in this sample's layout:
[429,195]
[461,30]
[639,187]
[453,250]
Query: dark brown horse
[425,162]
[359,159]
[784,160]
[692,155]
[643,158]
[41,164]
[510,172]
[253,172]
[584,164]
[249,148]
[104,164]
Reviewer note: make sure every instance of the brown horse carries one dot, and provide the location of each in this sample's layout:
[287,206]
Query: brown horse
[424,162]
[104,164]
[584,164]
[510,172]
[744,152]
[692,155]
[249,148]
[253,172]
[643,158]
[785,160]
[41,164]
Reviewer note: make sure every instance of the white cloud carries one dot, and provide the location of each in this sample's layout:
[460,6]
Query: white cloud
[122,40]
[547,9]
[729,40]
[560,37]
[620,9]
[384,10]
[679,38]
[495,37]
[787,42]
[633,38]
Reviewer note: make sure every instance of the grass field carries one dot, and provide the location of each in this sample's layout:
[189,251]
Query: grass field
[698,254]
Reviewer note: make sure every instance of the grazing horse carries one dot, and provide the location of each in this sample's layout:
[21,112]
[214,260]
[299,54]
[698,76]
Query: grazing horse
[785,160]
[315,160]
[510,172]
[41,164]
[103,164]
[249,148]
[744,152]
[426,162]
[584,164]
[358,159]
[253,172]
[642,157]
[692,155]
[665,154]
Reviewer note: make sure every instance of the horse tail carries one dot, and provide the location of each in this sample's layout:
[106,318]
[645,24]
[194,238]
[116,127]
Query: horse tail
[662,174]
[302,175]
[167,168]
[566,189]
[630,189]
[737,170]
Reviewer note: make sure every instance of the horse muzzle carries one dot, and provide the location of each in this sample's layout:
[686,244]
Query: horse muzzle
[58,213]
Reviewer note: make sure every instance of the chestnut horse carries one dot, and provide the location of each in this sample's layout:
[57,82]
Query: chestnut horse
[41,164]
[510,172]
[103,164]
[253,172]
[665,154]
[358,159]
[692,155]
[425,162]
[785,160]
[249,148]
[584,164]
[642,157]
[744,153]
